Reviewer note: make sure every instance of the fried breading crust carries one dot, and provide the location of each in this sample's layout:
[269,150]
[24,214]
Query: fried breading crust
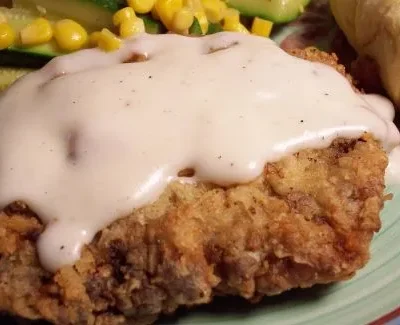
[308,219]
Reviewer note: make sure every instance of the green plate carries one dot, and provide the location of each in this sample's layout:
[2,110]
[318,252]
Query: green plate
[374,292]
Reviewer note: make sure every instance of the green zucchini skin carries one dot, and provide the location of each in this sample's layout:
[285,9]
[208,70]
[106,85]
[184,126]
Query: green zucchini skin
[277,11]
[152,26]
[21,59]
[195,29]
[37,56]
[214,28]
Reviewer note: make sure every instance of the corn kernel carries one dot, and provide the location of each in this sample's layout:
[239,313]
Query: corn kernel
[108,41]
[231,17]
[203,21]
[69,35]
[94,39]
[214,10]
[37,32]
[142,6]
[131,27]
[198,11]
[261,27]
[154,14]
[166,9]
[242,29]
[122,15]
[232,22]
[7,36]
[183,19]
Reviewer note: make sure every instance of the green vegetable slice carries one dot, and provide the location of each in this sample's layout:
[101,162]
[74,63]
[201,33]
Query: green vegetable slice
[214,28]
[92,14]
[152,26]
[195,29]
[277,11]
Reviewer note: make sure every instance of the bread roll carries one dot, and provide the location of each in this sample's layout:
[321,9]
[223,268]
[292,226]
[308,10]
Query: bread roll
[373,29]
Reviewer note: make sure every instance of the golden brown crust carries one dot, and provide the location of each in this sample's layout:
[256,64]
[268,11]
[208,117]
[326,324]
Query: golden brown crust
[314,55]
[308,219]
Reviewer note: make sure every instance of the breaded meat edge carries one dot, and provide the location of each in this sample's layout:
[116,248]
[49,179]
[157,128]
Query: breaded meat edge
[308,219]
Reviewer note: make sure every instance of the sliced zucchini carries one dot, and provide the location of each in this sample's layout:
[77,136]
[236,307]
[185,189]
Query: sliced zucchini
[195,29]
[277,11]
[92,14]
[9,75]
[152,26]
[214,28]
[32,57]
[37,56]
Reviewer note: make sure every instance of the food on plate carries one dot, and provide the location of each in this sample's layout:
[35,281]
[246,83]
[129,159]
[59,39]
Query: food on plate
[32,32]
[36,22]
[277,11]
[133,182]
[372,28]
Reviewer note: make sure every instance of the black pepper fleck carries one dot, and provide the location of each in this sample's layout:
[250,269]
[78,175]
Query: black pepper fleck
[232,164]
[62,247]
[150,77]
[301,121]
[121,81]
[219,157]
[326,94]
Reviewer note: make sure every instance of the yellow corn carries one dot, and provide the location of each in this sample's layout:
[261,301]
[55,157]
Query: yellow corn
[37,32]
[142,6]
[231,18]
[242,29]
[131,27]
[183,19]
[7,36]
[232,22]
[69,35]
[261,27]
[214,10]
[203,21]
[198,11]
[108,41]
[122,15]
[154,14]
[94,39]
[167,9]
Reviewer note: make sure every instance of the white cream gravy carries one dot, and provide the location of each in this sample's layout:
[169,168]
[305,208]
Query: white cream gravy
[88,138]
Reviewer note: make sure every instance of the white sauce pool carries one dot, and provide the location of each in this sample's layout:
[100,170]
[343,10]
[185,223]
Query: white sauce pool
[88,138]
